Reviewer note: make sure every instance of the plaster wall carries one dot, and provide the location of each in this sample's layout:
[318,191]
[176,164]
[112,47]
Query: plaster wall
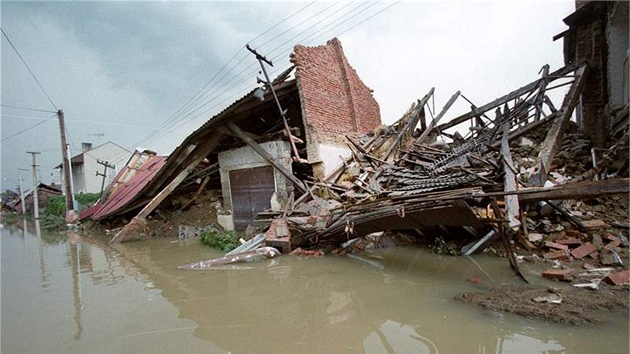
[245,157]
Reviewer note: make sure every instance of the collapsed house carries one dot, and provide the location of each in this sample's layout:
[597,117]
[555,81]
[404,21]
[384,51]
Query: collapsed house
[45,192]
[330,173]
[248,149]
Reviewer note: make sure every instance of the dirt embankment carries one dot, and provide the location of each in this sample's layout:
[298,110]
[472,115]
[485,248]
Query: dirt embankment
[576,307]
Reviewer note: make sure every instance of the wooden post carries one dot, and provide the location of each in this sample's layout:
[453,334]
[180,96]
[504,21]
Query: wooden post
[265,155]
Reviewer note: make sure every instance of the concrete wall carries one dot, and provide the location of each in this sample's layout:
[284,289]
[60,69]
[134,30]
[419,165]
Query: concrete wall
[335,101]
[246,157]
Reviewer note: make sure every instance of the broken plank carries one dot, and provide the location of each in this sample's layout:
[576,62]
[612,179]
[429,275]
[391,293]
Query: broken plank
[511,201]
[553,140]
[580,190]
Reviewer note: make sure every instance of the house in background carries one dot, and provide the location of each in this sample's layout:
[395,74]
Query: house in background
[87,172]
[44,193]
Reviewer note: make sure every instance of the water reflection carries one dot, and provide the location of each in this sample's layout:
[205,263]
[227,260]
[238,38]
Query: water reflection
[133,298]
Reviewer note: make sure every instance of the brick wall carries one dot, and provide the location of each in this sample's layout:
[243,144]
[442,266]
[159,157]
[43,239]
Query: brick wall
[592,49]
[335,101]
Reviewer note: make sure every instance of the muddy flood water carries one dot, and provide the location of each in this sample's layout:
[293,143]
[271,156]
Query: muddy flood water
[70,294]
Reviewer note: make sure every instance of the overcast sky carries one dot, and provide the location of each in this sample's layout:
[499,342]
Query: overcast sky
[121,71]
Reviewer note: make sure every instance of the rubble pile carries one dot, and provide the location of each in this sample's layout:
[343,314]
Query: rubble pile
[454,191]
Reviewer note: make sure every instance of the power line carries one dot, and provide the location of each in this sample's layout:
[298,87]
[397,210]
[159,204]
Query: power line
[28,68]
[197,97]
[28,109]
[29,128]
[194,109]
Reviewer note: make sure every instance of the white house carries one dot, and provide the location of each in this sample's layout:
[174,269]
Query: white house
[88,167]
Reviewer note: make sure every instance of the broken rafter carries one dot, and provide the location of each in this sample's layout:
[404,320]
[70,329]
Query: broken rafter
[418,111]
[554,136]
[503,99]
[265,155]
[434,122]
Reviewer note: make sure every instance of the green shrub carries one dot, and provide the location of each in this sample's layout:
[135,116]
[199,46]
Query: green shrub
[225,241]
[56,206]
[86,199]
[52,222]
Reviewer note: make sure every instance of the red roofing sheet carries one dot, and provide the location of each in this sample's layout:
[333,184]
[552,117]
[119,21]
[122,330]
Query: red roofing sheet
[127,192]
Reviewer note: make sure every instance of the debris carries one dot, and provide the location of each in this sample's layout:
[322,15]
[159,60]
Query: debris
[559,274]
[250,256]
[553,298]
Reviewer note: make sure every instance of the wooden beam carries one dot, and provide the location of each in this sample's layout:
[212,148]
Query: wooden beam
[581,190]
[196,157]
[411,124]
[434,122]
[503,99]
[553,140]
[511,201]
[265,155]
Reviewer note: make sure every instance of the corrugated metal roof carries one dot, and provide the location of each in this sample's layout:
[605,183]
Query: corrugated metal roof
[128,191]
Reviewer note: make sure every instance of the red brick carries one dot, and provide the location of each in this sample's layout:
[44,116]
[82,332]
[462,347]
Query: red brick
[619,278]
[559,255]
[558,274]
[555,245]
[569,241]
[588,266]
[572,233]
[594,224]
[612,244]
[583,250]
[611,237]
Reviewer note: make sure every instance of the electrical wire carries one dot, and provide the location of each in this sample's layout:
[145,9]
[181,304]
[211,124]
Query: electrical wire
[29,128]
[195,109]
[28,109]
[28,68]
[190,101]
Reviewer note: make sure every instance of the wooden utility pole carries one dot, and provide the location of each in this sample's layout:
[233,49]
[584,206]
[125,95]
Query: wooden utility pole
[106,165]
[66,163]
[22,190]
[35,192]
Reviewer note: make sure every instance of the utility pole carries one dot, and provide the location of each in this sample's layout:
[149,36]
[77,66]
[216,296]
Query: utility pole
[66,163]
[22,190]
[104,174]
[35,192]
[283,112]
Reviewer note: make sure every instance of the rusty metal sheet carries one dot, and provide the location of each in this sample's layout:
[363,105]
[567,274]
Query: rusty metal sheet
[251,191]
